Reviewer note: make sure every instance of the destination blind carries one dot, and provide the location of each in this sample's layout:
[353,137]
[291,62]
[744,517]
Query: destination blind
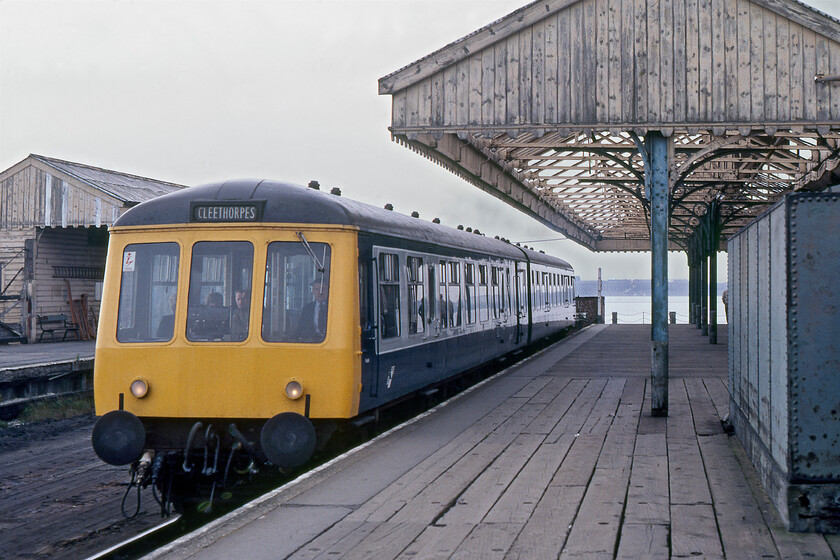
[228,211]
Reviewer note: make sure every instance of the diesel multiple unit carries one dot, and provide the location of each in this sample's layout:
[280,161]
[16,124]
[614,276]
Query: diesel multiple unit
[241,321]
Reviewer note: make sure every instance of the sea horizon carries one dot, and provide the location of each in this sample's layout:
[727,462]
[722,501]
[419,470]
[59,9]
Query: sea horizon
[637,309]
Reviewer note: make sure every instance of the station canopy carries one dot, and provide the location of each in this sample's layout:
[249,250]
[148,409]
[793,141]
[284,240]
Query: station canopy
[548,107]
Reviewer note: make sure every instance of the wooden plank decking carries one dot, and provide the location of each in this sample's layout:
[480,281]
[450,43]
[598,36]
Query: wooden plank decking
[565,462]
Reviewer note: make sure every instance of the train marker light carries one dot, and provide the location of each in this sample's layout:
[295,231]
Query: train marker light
[139,388]
[294,390]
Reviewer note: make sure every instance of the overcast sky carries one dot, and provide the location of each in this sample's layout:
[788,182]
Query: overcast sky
[193,92]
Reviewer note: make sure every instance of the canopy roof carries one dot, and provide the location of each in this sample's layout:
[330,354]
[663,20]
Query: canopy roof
[547,107]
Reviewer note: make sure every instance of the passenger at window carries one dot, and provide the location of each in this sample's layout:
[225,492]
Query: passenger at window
[240,316]
[167,323]
[214,299]
[389,310]
[313,316]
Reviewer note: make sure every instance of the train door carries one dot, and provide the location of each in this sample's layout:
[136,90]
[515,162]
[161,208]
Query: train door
[370,361]
[431,298]
[521,302]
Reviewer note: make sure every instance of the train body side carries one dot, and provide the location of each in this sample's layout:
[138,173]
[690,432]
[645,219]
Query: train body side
[499,290]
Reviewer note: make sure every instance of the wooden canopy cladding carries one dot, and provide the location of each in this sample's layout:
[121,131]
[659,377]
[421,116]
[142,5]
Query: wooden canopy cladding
[545,108]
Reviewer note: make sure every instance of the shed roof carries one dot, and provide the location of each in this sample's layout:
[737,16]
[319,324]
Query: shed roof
[545,108]
[129,189]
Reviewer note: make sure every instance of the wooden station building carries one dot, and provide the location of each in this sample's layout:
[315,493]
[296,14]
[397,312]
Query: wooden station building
[54,218]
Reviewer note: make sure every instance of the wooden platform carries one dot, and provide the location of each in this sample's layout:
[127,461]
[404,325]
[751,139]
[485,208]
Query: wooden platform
[557,457]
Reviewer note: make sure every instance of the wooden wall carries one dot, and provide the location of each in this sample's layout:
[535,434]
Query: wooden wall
[33,197]
[72,247]
[636,62]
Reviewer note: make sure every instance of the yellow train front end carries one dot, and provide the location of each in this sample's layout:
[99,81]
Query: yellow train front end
[225,340]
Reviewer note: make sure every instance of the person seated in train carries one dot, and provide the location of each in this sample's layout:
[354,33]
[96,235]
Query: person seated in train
[166,326]
[312,326]
[214,320]
[389,310]
[240,315]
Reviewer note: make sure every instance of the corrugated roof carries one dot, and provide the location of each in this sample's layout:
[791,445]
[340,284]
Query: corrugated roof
[122,186]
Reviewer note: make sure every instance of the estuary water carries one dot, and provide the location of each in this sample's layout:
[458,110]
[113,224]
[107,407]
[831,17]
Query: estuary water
[636,309]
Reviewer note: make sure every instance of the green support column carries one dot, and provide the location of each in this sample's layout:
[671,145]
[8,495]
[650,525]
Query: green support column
[714,238]
[704,279]
[657,185]
[690,284]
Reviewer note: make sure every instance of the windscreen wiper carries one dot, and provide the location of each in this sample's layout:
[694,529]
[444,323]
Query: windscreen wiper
[318,264]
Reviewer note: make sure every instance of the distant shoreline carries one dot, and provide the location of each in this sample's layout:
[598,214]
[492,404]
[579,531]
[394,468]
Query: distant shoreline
[632,287]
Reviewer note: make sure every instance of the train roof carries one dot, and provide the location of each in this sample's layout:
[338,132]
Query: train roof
[278,202]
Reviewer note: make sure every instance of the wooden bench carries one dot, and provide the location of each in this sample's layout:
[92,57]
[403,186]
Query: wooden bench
[49,324]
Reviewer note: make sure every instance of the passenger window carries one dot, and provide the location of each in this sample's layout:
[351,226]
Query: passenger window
[483,295]
[469,280]
[416,315]
[296,302]
[496,289]
[148,292]
[218,271]
[454,299]
[506,292]
[389,295]
[445,306]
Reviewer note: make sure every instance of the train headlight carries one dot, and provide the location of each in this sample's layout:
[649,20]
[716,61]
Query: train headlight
[139,388]
[294,390]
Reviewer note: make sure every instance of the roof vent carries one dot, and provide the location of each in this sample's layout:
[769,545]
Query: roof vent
[389,206]
[415,214]
[436,221]
[497,237]
[315,185]
[336,191]
[475,231]
[460,227]
[469,230]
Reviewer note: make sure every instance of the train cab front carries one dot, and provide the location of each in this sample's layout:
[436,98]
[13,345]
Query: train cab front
[223,351]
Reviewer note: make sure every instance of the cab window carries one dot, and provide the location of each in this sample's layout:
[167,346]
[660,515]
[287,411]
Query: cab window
[148,292]
[297,289]
[218,271]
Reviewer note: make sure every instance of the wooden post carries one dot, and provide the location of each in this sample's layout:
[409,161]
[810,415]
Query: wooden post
[657,186]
